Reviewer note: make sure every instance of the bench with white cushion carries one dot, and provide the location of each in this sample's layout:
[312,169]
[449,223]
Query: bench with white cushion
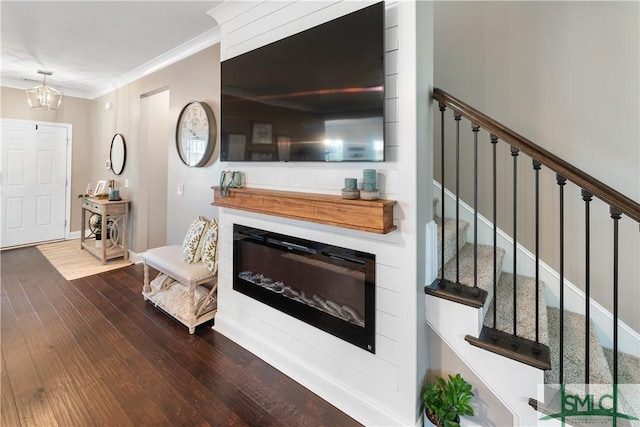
[170,261]
[184,269]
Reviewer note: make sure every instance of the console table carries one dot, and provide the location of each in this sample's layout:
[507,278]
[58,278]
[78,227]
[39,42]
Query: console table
[114,212]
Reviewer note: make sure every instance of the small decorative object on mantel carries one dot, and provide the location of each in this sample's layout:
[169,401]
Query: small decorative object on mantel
[369,195]
[350,190]
[230,179]
[369,185]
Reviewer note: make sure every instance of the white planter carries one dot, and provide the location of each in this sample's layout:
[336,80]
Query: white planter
[107,243]
[426,422]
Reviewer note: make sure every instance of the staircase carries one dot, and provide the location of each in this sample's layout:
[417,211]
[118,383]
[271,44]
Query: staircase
[491,317]
[601,359]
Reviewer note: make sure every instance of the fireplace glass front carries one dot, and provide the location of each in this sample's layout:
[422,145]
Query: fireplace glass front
[329,287]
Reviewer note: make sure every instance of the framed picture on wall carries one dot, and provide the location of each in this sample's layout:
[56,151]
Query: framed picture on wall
[261,133]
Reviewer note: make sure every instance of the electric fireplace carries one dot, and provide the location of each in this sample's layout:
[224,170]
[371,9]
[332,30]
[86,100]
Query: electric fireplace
[329,287]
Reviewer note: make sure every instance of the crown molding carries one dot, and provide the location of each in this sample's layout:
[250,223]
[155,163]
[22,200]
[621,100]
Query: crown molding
[203,41]
[102,87]
[228,10]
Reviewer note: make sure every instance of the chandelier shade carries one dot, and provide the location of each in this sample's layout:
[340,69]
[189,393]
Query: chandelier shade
[44,97]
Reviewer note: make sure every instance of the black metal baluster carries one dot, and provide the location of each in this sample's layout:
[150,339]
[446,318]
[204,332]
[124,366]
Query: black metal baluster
[494,332]
[537,349]
[514,153]
[457,116]
[616,215]
[561,182]
[587,197]
[443,107]
[475,128]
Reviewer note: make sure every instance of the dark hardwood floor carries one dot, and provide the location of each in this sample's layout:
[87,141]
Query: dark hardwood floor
[92,352]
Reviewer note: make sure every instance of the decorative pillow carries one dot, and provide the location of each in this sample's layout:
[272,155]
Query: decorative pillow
[192,240]
[198,254]
[209,246]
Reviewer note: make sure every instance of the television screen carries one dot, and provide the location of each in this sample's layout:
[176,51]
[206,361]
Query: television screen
[315,96]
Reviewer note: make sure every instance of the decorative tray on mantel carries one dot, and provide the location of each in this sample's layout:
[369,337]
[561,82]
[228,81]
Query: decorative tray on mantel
[374,216]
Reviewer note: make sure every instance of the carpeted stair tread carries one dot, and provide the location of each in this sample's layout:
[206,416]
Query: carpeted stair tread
[574,327]
[485,268]
[450,238]
[526,302]
[600,372]
[628,378]
[628,366]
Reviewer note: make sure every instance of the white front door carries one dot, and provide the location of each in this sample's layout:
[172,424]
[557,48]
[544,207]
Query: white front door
[33,182]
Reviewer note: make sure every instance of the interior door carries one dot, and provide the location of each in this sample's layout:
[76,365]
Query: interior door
[33,182]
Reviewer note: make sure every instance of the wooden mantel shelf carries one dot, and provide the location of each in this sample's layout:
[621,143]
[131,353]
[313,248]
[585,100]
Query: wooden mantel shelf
[375,216]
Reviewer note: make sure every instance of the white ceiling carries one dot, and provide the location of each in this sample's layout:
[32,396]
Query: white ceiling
[93,47]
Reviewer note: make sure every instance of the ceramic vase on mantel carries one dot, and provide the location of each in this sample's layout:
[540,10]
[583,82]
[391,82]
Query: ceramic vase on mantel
[369,185]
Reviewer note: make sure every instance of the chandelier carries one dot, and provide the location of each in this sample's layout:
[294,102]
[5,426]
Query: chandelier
[44,97]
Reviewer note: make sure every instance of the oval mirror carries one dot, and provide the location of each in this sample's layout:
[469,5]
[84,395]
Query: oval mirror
[118,154]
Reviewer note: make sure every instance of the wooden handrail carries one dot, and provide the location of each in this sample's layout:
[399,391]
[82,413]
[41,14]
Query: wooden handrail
[582,179]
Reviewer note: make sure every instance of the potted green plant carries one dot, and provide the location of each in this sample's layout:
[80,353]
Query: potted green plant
[95,224]
[445,401]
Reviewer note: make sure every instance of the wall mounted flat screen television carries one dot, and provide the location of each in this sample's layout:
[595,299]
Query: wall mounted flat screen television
[315,96]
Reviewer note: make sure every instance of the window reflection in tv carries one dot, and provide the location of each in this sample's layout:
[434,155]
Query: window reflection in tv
[315,96]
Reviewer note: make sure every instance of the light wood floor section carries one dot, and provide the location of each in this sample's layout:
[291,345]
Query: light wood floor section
[75,263]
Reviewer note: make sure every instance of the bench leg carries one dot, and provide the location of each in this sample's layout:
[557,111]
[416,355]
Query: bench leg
[146,288]
[192,308]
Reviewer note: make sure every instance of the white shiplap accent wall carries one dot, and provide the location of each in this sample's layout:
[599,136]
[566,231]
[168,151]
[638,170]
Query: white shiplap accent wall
[376,389]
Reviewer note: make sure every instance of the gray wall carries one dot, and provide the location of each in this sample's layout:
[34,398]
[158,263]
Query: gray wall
[194,78]
[566,76]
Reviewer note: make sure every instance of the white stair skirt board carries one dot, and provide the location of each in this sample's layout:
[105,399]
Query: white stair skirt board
[510,381]
[628,339]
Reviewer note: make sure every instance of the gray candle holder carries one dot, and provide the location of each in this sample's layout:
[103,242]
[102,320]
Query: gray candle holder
[350,194]
[369,195]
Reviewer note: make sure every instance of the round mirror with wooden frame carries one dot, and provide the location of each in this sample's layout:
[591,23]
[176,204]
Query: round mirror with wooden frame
[118,154]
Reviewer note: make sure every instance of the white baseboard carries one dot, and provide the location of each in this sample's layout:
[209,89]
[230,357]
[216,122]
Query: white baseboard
[135,257]
[628,339]
[431,258]
[357,407]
